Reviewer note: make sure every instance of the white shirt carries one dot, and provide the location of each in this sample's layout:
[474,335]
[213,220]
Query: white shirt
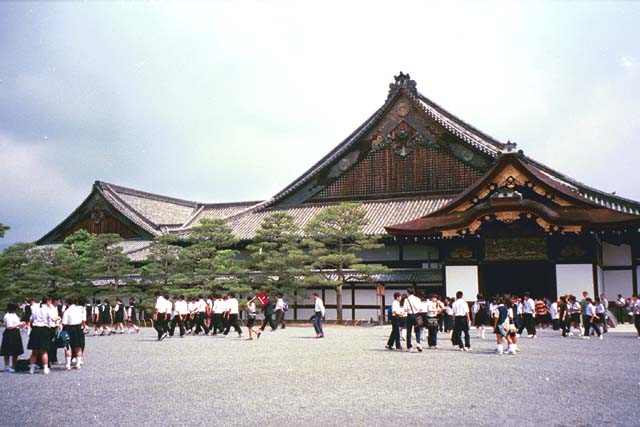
[396,309]
[218,306]
[54,318]
[412,305]
[40,315]
[11,320]
[161,305]
[553,310]
[319,306]
[202,306]
[73,316]
[528,306]
[431,308]
[182,307]
[589,310]
[232,306]
[193,306]
[460,307]
[252,307]
[279,304]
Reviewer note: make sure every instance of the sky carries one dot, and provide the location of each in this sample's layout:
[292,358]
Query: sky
[229,101]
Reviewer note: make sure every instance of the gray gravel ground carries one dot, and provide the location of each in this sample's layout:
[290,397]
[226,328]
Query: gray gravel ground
[348,378]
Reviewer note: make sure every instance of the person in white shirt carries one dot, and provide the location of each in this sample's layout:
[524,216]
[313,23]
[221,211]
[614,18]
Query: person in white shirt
[40,337]
[54,327]
[461,322]
[201,316]
[232,315]
[554,313]
[590,319]
[72,323]
[160,317]
[396,313]
[605,304]
[118,316]
[132,316]
[413,307]
[635,307]
[251,320]
[528,315]
[432,308]
[280,311]
[181,312]
[216,317]
[318,314]
[11,346]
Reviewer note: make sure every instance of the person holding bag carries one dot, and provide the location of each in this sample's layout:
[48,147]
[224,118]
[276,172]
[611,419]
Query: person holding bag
[412,305]
[396,313]
[433,310]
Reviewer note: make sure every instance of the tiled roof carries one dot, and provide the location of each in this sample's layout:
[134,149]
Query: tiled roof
[379,214]
[136,250]
[218,211]
[160,210]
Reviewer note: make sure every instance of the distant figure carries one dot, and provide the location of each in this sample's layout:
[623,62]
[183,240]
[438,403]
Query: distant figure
[11,346]
[461,322]
[251,319]
[132,316]
[318,314]
[281,309]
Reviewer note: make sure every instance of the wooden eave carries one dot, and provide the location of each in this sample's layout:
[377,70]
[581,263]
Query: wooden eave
[563,206]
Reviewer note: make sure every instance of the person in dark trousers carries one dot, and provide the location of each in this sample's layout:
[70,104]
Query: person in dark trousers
[267,311]
[160,317]
[396,313]
[181,312]
[528,316]
[232,314]
[216,316]
[461,322]
[281,310]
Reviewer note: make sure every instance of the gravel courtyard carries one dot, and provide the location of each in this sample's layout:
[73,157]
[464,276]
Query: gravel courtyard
[348,378]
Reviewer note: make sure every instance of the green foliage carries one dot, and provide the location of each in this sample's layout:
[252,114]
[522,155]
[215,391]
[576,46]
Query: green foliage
[335,236]
[108,261]
[277,255]
[160,269]
[3,228]
[209,263]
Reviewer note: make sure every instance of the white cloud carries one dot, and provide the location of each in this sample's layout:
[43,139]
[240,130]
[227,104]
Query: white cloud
[627,62]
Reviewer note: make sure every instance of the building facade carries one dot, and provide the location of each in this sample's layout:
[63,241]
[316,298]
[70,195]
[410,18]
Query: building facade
[457,210]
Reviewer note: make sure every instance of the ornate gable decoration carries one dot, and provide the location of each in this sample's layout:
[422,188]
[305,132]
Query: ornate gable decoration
[514,192]
[402,139]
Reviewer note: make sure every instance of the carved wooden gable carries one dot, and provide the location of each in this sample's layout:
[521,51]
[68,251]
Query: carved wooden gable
[517,195]
[405,154]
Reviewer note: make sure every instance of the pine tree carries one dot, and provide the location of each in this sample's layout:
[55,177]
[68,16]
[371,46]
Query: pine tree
[277,255]
[3,228]
[22,273]
[160,269]
[335,237]
[210,262]
[109,261]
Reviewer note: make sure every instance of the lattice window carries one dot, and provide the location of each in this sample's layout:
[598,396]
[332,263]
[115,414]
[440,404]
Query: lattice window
[425,170]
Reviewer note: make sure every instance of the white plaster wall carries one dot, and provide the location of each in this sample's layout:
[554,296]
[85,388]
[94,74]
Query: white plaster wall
[462,278]
[618,282]
[616,256]
[304,313]
[574,279]
[367,296]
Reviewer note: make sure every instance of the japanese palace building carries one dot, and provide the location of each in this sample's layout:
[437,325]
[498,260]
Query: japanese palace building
[458,210]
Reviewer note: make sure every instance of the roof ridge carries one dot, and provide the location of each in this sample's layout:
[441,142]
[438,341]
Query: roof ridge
[105,187]
[153,196]
[231,204]
[499,145]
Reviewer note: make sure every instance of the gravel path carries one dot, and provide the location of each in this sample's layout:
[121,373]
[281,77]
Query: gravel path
[348,378]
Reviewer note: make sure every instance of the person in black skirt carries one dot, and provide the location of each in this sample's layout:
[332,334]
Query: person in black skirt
[480,315]
[105,317]
[40,337]
[72,320]
[132,316]
[118,316]
[11,346]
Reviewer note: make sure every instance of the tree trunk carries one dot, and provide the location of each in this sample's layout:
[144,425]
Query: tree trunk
[339,304]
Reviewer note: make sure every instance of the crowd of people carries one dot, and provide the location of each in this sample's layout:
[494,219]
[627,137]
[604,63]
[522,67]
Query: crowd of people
[509,316]
[52,324]
[216,315]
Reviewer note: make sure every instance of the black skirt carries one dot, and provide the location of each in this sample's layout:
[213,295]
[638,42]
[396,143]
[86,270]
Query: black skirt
[481,318]
[76,335]
[11,343]
[251,320]
[119,317]
[40,338]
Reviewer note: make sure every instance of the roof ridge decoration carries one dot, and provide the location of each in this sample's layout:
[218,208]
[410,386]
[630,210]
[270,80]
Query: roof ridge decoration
[144,194]
[305,185]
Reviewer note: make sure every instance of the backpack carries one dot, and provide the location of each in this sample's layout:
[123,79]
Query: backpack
[22,365]
[63,339]
[285,307]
